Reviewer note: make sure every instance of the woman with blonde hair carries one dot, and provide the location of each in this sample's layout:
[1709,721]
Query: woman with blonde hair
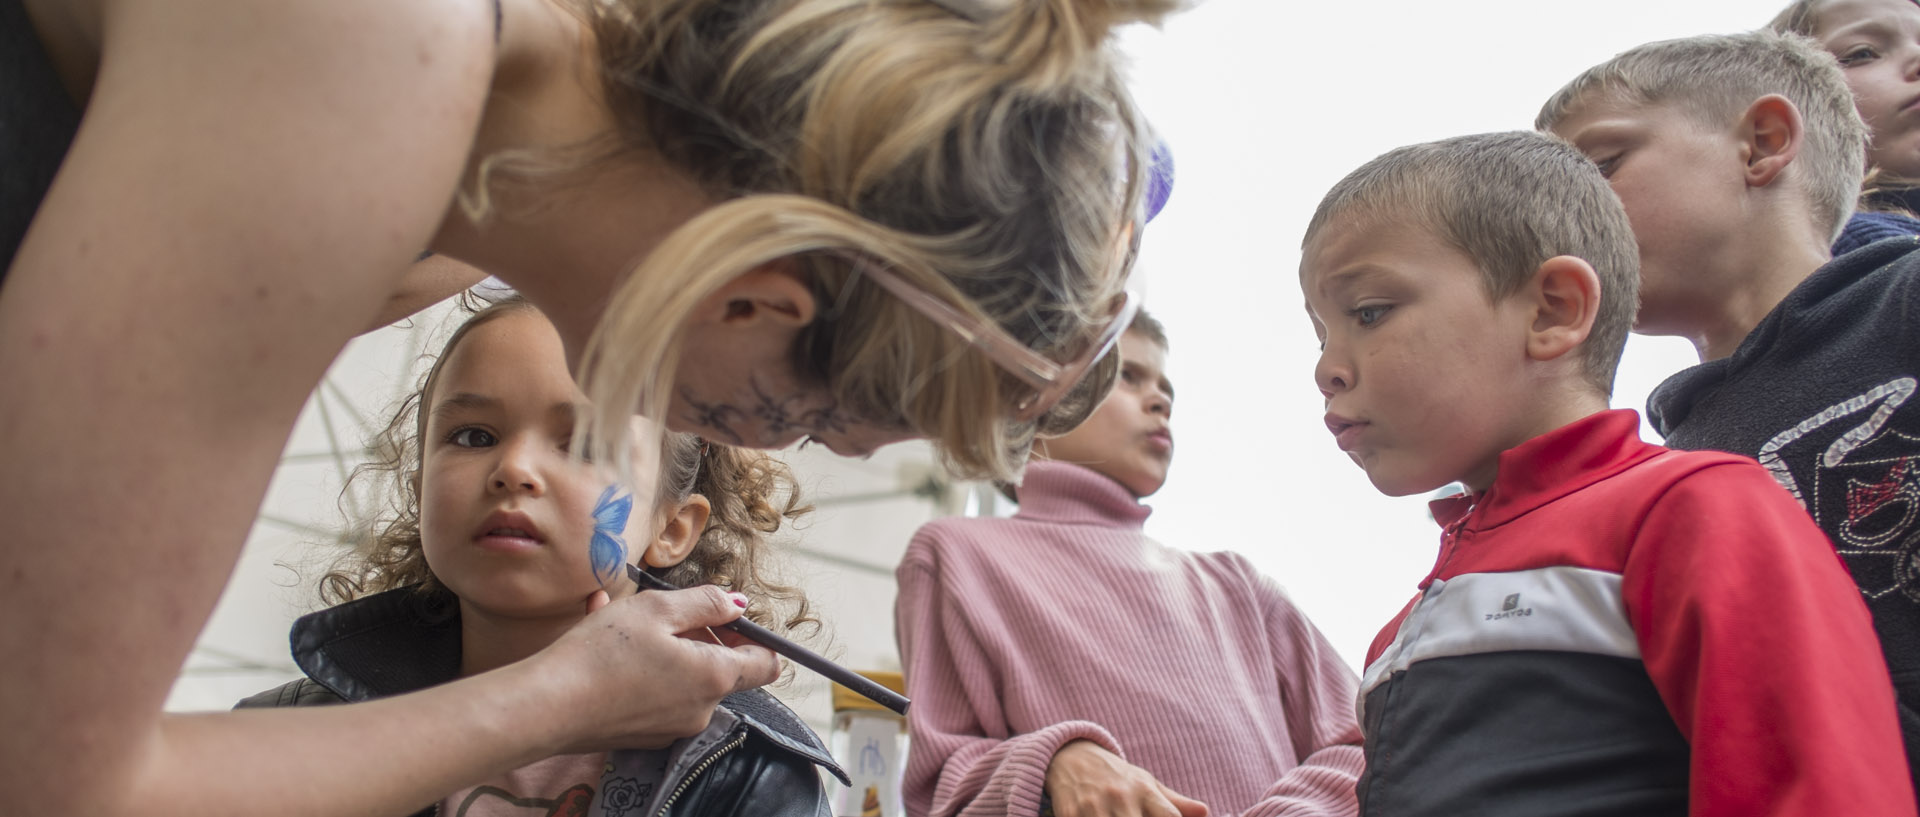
[849,221]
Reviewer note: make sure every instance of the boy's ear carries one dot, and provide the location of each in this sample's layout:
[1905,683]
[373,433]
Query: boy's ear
[1566,299]
[1772,133]
[775,292]
[680,533]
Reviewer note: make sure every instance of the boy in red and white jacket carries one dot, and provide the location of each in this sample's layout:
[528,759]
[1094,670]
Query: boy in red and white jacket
[1611,627]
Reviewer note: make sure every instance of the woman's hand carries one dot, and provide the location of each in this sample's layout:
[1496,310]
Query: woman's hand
[624,678]
[1086,780]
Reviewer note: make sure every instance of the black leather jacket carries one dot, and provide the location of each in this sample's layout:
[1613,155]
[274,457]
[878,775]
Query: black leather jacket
[757,758]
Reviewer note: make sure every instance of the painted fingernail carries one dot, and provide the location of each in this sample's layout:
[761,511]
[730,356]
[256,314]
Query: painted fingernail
[738,600]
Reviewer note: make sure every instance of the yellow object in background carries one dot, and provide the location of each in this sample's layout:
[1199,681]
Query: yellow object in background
[870,742]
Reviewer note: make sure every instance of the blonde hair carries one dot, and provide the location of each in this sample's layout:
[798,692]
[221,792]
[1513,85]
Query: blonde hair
[751,495]
[1508,201]
[989,158]
[1715,78]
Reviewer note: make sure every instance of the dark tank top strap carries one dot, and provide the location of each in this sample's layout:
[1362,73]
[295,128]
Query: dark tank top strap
[37,123]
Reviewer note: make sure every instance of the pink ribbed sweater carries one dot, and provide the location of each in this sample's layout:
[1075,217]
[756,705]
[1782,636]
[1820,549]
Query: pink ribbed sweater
[1065,621]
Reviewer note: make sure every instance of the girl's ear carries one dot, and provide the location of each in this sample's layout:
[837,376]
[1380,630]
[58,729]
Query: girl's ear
[680,533]
[1566,299]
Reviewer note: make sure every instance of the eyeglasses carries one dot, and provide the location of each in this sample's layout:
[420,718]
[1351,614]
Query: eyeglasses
[1051,380]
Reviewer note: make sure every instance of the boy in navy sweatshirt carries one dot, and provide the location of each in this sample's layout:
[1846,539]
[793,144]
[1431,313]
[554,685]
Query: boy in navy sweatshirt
[1738,159]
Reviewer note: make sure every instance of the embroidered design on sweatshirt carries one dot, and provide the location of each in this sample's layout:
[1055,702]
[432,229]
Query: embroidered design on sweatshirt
[1864,487]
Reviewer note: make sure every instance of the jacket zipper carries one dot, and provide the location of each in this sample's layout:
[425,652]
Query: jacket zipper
[1450,540]
[705,763]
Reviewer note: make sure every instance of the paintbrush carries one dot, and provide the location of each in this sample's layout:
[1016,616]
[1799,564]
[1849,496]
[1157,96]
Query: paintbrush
[784,646]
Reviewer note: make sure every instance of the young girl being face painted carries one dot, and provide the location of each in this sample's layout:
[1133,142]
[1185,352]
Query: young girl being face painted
[511,522]
[498,538]
[491,514]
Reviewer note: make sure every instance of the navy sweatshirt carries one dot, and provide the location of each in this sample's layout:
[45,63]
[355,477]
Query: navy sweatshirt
[1822,394]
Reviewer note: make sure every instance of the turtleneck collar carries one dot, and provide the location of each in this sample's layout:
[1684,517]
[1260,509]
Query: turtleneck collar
[1077,495]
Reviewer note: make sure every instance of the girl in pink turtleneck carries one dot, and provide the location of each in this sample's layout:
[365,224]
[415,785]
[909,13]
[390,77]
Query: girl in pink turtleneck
[1062,663]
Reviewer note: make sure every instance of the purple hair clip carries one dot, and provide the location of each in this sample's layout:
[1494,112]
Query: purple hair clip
[1159,178]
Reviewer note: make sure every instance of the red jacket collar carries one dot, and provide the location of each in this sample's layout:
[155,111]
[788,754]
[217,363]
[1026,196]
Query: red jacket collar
[1549,467]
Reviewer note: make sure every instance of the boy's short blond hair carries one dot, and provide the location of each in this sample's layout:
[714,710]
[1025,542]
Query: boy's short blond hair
[1715,78]
[1509,201]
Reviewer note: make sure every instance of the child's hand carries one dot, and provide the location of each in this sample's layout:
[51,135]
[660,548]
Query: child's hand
[1086,780]
[623,678]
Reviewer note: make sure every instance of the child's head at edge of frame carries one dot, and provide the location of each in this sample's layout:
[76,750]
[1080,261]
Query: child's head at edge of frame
[1129,437]
[1469,294]
[480,452]
[1877,43]
[1733,155]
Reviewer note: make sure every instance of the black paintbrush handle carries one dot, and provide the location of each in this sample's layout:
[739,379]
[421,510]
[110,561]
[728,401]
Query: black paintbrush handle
[800,655]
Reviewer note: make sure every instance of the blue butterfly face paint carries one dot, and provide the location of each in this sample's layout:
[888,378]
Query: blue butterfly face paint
[609,550]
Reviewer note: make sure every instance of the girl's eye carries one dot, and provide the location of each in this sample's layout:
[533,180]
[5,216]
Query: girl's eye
[1370,315]
[1856,55]
[1608,165]
[1129,376]
[471,437]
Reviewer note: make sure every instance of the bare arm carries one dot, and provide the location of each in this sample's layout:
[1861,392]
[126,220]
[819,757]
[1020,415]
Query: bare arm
[429,281]
[247,185]
[397,755]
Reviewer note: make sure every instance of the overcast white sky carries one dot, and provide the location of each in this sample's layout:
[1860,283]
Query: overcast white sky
[1266,104]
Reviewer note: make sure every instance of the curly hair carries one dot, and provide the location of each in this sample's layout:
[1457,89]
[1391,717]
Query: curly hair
[752,494]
